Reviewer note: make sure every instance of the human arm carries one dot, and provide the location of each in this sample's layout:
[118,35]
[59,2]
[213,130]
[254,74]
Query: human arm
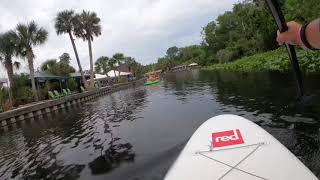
[293,35]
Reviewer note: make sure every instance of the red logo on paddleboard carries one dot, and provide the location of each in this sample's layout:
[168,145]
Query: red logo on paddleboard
[226,138]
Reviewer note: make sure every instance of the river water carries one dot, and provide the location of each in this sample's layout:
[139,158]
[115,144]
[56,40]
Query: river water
[137,133]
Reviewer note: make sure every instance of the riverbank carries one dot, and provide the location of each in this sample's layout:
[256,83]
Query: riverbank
[48,106]
[276,60]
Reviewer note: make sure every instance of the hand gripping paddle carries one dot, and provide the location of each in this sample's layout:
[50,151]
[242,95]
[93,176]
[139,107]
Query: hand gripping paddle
[281,23]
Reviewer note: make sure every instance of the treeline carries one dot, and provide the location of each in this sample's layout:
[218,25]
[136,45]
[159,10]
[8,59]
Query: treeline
[20,42]
[105,64]
[246,30]
[59,67]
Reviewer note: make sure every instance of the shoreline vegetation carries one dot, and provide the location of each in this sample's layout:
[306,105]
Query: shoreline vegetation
[56,75]
[276,60]
[244,39]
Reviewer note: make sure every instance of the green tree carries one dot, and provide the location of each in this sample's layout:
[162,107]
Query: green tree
[28,36]
[87,26]
[65,58]
[102,65]
[165,64]
[22,94]
[134,66]
[48,64]
[173,53]
[118,59]
[7,50]
[112,64]
[61,68]
[194,53]
[65,23]
[72,84]
[303,11]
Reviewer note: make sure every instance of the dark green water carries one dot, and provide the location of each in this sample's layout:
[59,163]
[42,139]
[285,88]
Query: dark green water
[137,133]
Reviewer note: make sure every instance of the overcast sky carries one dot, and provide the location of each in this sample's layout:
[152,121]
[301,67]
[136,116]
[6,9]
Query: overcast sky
[143,29]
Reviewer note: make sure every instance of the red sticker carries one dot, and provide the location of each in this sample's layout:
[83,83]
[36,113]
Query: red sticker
[227,138]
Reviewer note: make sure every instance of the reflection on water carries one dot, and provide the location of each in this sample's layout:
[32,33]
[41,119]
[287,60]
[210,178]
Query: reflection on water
[137,133]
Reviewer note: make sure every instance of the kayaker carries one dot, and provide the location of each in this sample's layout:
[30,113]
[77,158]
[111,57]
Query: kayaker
[307,36]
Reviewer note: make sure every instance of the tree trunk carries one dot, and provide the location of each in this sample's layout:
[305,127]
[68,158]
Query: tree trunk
[91,64]
[78,61]
[31,68]
[9,68]
[114,72]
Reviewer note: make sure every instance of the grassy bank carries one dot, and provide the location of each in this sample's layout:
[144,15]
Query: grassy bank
[276,60]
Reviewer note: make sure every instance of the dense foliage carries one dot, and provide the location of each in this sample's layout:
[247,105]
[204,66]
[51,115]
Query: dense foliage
[105,64]
[59,68]
[276,60]
[247,30]
[21,92]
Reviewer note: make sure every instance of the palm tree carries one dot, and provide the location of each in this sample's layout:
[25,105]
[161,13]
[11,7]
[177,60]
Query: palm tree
[7,50]
[64,23]
[118,59]
[28,36]
[87,25]
[102,63]
[132,64]
[112,64]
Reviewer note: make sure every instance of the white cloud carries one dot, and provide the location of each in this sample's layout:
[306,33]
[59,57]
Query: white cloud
[143,29]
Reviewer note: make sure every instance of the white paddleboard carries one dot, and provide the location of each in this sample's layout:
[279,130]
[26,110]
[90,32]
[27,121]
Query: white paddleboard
[230,147]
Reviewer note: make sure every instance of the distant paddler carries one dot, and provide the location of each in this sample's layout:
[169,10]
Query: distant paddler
[152,77]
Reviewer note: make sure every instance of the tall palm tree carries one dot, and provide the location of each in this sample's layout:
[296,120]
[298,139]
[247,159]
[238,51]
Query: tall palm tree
[102,64]
[88,25]
[64,23]
[8,49]
[28,36]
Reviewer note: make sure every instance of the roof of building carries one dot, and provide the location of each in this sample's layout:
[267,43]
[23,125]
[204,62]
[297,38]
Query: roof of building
[113,73]
[47,76]
[77,74]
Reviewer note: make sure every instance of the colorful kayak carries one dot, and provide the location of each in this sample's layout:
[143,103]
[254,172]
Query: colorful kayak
[148,83]
[230,147]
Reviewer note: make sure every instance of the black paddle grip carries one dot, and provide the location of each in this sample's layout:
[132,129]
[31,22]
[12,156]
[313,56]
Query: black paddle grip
[282,26]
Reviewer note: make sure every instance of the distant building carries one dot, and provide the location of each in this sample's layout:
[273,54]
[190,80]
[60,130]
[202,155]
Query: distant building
[78,75]
[113,73]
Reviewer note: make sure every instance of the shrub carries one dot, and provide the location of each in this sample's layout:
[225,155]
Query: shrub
[72,84]
[21,91]
[4,98]
[123,79]
[54,86]
[23,95]
[276,60]
[225,55]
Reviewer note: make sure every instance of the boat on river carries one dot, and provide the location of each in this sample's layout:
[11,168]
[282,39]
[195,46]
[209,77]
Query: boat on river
[152,78]
[230,147]
[148,83]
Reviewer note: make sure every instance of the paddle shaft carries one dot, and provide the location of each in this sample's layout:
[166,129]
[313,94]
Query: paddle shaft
[282,25]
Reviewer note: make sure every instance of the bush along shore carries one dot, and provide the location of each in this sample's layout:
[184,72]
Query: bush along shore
[276,60]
